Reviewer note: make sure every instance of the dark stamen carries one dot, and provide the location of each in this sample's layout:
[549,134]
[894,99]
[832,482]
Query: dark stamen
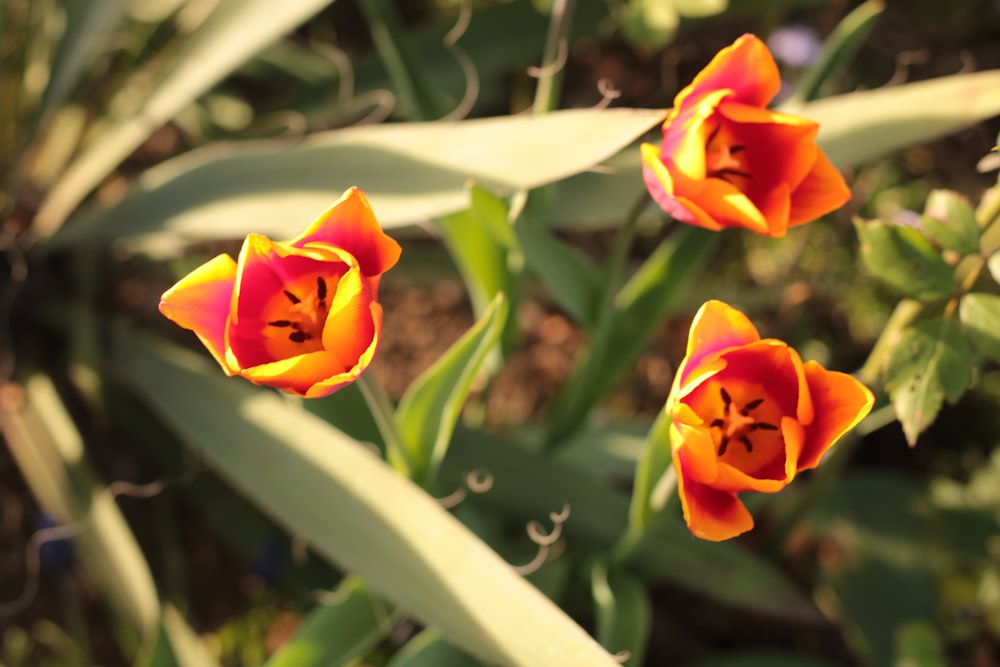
[711,137]
[280,323]
[292,297]
[320,288]
[717,423]
[739,148]
[299,336]
[746,443]
[725,396]
[723,444]
[722,173]
[752,405]
[763,426]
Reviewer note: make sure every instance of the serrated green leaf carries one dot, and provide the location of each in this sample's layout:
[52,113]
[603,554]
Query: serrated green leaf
[429,409]
[337,631]
[352,508]
[623,612]
[980,316]
[429,649]
[411,172]
[931,362]
[902,259]
[950,222]
[839,48]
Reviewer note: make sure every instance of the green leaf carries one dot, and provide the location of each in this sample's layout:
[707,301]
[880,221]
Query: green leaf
[868,124]
[234,31]
[931,362]
[346,627]
[842,44]
[571,278]
[527,485]
[950,222]
[411,172]
[904,260]
[352,508]
[980,317]
[623,612]
[918,644]
[429,409]
[655,483]
[651,24]
[429,649]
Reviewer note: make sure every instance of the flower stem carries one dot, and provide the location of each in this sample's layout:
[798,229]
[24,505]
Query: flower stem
[554,58]
[384,415]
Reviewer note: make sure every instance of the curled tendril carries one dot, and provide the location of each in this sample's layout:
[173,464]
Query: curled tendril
[609,93]
[562,55]
[545,541]
[476,481]
[382,101]
[468,67]
[33,547]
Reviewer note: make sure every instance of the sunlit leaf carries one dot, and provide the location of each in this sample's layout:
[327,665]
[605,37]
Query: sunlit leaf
[980,316]
[428,649]
[904,260]
[929,363]
[950,222]
[411,172]
[429,409]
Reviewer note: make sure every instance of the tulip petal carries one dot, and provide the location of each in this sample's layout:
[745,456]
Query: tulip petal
[822,190]
[840,403]
[746,67]
[330,385]
[694,445]
[200,302]
[709,513]
[349,327]
[716,327]
[728,207]
[350,225]
[297,375]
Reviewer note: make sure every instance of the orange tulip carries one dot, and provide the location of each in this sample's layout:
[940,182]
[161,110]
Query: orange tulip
[748,415]
[728,161]
[301,315]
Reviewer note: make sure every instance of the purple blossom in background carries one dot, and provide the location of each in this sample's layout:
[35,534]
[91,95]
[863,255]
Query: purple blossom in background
[795,45]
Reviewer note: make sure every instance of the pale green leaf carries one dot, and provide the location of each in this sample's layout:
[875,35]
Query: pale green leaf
[232,33]
[980,316]
[429,649]
[411,172]
[623,612]
[931,362]
[429,409]
[353,509]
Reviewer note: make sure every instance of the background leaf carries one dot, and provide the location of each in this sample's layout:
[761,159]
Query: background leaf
[980,316]
[904,260]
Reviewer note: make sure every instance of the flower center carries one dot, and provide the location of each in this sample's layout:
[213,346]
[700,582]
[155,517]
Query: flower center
[737,423]
[725,158]
[305,314]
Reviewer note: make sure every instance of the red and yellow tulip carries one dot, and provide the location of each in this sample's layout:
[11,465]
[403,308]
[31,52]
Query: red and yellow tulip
[728,161]
[301,315]
[748,415]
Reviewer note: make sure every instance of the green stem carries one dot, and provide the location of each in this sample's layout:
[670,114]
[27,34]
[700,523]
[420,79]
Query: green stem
[554,57]
[384,415]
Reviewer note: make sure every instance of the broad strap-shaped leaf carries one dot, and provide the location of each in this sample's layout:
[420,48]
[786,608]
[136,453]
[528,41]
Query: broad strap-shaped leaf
[654,483]
[337,631]
[929,363]
[980,316]
[353,509]
[901,258]
[623,612]
[411,172]
[234,31]
[527,486]
[429,409]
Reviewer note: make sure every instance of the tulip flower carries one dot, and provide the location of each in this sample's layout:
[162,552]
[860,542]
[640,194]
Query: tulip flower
[301,315]
[748,415]
[728,161]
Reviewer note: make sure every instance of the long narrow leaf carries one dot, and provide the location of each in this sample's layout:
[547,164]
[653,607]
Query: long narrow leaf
[431,406]
[234,31]
[411,173]
[354,510]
